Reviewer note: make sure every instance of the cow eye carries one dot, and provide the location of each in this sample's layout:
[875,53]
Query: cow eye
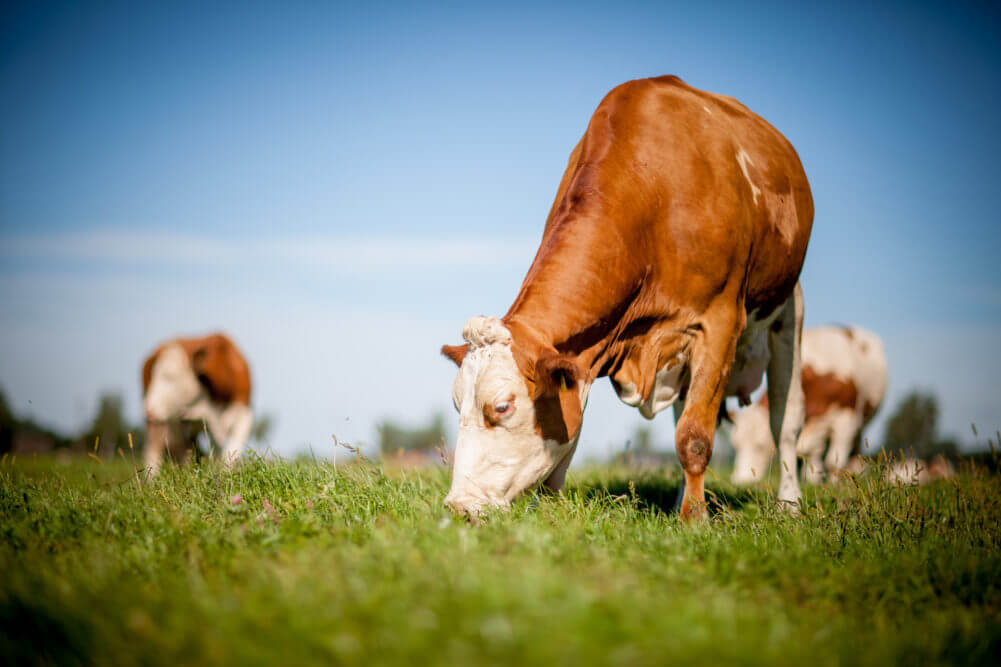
[502,407]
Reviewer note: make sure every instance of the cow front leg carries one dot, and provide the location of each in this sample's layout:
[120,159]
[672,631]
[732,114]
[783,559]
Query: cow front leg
[811,446]
[712,359]
[846,425]
[238,421]
[786,409]
[679,408]
[156,440]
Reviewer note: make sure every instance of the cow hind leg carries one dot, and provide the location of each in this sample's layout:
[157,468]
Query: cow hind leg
[811,446]
[238,421]
[785,392]
[844,429]
[710,368]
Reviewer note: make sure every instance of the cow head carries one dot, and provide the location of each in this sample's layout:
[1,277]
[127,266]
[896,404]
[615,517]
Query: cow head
[519,417]
[752,443]
[170,383]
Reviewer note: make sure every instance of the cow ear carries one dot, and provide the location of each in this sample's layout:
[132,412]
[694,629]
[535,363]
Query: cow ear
[558,376]
[455,352]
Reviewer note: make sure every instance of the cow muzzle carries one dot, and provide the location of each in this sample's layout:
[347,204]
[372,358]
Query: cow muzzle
[472,506]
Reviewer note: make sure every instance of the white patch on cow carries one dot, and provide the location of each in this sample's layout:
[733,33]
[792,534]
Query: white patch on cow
[493,465]
[707,110]
[829,350]
[173,387]
[751,358]
[871,368]
[743,159]
[667,386]
[628,393]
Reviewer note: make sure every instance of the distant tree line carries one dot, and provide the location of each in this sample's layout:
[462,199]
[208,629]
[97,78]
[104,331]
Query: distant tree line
[26,434]
[394,438]
[107,432]
[913,429]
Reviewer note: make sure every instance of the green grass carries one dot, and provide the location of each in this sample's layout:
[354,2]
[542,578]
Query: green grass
[354,565]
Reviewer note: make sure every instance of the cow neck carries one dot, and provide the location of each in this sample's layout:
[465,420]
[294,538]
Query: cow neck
[578,295]
[596,345]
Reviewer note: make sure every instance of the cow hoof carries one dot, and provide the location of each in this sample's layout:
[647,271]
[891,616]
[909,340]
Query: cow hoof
[694,512]
[791,507]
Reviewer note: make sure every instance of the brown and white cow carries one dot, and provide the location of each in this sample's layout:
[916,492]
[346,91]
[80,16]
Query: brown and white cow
[670,263]
[190,384]
[844,381]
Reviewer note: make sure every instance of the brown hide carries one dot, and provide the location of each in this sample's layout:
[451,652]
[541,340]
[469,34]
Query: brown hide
[220,367]
[556,394]
[824,391]
[657,242]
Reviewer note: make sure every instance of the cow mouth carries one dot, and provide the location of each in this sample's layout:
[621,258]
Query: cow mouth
[473,507]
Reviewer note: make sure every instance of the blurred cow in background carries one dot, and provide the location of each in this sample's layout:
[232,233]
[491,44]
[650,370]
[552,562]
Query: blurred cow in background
[191,385]
[844,380]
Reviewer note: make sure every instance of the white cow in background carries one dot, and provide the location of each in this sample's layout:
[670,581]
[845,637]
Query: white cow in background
[844,381]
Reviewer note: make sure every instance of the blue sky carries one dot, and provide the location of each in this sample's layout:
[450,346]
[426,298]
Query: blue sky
[341,188]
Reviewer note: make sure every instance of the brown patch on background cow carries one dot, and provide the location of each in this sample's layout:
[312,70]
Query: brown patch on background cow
[824,391]
[218,364]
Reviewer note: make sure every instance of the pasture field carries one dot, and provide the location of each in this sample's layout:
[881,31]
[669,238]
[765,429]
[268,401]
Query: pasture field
[305,562]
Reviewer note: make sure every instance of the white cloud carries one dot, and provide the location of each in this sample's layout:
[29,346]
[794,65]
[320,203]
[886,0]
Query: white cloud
[352,255]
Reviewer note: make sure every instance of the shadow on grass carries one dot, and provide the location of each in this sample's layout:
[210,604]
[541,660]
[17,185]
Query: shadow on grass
[663,494]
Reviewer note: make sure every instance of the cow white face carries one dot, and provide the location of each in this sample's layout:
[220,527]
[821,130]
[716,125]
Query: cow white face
[752,441]
[502,448]
[173,385]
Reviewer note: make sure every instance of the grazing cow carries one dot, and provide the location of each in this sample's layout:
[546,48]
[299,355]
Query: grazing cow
[844,380]
[669,263]
[190,384]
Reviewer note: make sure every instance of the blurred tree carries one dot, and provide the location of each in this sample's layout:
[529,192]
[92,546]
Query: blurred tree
[24,435]
[7,426]
[393,437]
[263,426]
[110,426]
[642,441]
[640,451]
[914,428]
